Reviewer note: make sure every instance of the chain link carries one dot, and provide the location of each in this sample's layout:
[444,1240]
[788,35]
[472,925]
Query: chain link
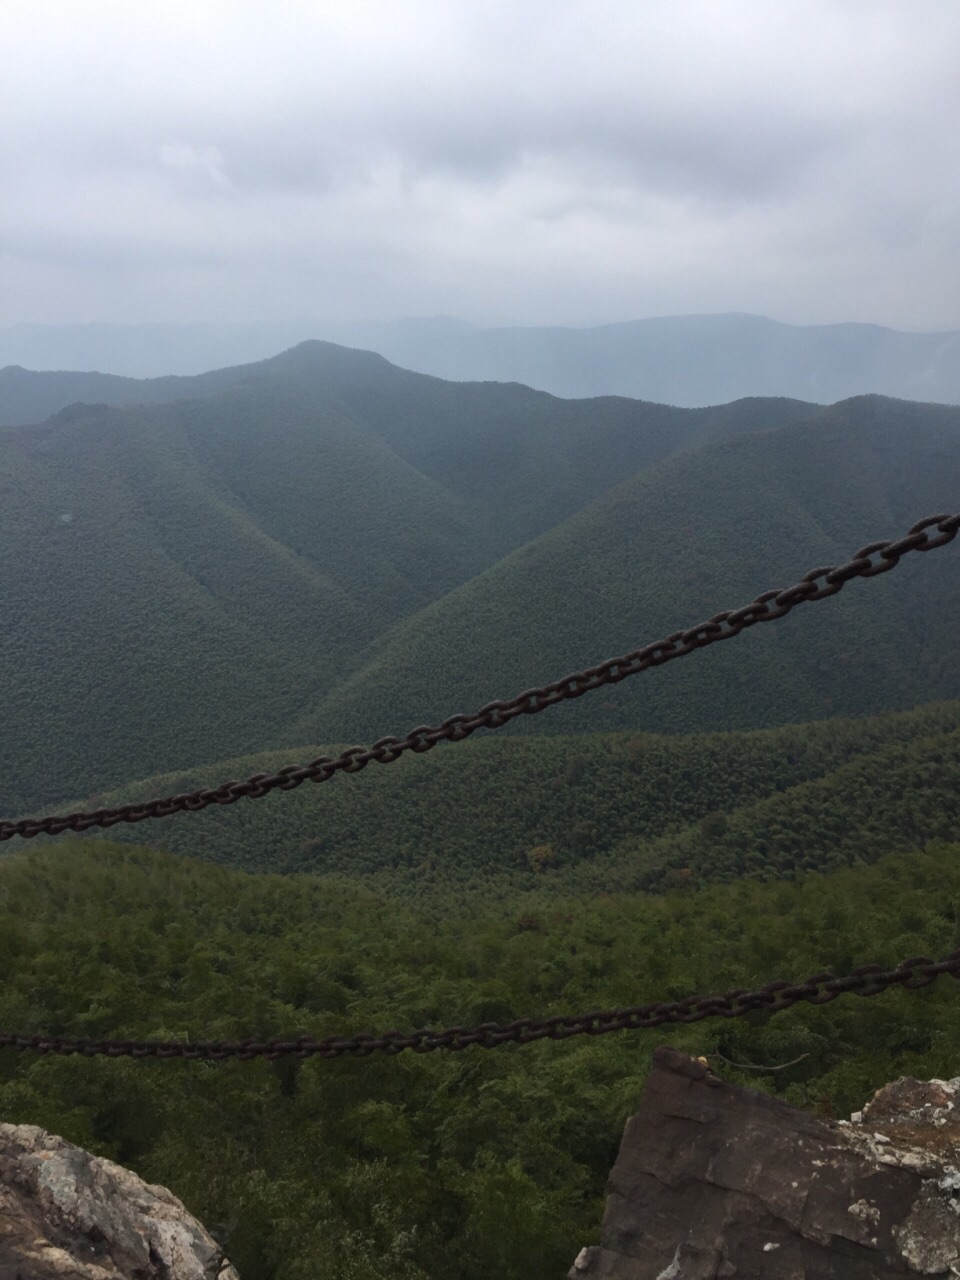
[821,988]
[723,626]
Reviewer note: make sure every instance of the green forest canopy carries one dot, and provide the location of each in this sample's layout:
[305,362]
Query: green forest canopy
[496,814]
[324,547]
[446,1166]
[257,528]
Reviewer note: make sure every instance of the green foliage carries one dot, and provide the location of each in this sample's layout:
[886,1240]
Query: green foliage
[703,530]
[454,1166]
[541,856]
[182,582]
[618,811]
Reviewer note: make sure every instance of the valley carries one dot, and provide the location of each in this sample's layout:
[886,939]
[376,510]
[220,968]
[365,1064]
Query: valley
[359,549]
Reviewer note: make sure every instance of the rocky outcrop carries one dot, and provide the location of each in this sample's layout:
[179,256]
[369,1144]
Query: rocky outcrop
[68,1215]
[717,1182]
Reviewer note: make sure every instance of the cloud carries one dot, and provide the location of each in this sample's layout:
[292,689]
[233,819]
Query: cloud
[187,160]
[554,160]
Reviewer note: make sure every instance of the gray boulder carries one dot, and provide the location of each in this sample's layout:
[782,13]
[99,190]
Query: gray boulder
[68,1215]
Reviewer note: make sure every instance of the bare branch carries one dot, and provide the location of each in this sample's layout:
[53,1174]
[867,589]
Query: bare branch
[753,1066]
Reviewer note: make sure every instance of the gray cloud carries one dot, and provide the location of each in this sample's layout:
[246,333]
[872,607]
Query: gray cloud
[562,161]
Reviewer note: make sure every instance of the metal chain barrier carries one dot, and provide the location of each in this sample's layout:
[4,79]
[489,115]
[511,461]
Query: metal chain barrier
[767,607]
[821,988]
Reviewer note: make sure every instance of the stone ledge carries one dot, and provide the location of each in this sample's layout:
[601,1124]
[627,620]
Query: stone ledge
[718,1182]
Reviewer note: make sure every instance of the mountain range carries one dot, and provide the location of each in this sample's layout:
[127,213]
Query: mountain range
[679,360]
[213,576]
[323,547]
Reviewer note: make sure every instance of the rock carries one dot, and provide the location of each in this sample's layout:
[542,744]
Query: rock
[68,1215]
[717,1182]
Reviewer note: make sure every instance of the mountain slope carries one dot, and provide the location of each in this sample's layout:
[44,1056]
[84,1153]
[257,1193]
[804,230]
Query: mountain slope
[700,532]
[324,546]
[255,530]
[526,458]
[613,810]
[27,396]
[492,818]
[175,582]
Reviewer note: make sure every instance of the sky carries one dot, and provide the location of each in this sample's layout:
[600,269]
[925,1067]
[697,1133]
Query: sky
[533,162]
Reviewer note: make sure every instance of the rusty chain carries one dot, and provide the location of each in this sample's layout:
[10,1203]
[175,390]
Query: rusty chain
[767,607]
[821,988]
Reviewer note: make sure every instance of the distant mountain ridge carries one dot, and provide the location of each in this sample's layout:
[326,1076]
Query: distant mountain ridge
[689,361]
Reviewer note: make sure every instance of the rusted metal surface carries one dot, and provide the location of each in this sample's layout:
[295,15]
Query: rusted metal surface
[821,988]
[873,559]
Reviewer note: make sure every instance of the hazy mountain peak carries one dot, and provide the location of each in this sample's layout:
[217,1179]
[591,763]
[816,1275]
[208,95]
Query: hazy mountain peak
[688,360]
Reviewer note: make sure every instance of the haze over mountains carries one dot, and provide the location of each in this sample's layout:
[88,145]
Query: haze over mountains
[679,360]
[323,547]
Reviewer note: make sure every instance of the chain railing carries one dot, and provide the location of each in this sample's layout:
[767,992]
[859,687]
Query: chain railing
[873,559]
[821,988]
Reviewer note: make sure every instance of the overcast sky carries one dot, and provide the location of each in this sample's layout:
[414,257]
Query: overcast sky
[538,161]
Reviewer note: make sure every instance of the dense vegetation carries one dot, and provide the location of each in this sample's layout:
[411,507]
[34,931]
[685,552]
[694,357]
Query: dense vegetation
[248,542]
[705,530]
[152,613]
[493,816]
[453,1166]
[333,548]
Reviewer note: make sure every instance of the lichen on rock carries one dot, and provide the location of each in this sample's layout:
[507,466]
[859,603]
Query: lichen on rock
[65,1213]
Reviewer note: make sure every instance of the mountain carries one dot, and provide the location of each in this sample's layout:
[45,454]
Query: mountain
[27,396]
[177,581]
[698,360]
[680,360]
[703,530]
[182,579]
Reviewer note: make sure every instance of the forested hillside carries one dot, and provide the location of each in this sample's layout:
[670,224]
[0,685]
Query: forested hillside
[175,583]
[527,459]
[485,819]
[180,582]
[447,1166]
[329,548]
[325,547]
[704,530]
